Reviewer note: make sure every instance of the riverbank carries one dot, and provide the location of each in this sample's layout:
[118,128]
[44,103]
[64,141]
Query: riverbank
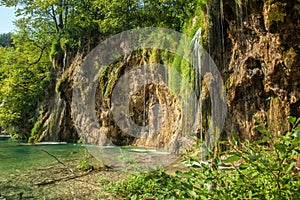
[57,182]
[51,171]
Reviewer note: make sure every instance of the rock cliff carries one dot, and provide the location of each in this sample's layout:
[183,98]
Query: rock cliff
[255,45]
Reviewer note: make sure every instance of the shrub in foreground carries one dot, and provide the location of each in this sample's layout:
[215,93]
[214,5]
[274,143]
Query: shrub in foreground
[264,169]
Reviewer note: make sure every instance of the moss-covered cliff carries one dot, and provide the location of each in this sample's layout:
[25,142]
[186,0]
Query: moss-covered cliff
[255,45]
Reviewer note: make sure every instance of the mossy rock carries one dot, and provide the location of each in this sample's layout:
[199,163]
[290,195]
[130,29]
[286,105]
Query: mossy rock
[275,12]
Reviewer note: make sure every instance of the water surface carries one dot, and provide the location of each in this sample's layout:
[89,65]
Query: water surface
[15,156]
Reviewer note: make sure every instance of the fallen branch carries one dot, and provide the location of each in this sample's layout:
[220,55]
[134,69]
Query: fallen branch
[57,159]
[51,181]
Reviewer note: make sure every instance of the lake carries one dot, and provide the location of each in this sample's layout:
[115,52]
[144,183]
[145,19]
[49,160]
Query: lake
[24,168]
[23,165]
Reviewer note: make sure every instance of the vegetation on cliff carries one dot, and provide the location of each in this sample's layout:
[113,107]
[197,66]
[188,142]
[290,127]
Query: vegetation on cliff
[254,43]
[50,34]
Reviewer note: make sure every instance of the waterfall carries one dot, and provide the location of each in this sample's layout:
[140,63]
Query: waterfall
[56,118]
[196,61]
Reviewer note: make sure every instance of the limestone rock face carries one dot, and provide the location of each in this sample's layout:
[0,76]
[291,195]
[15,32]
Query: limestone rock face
[259,57]
[150,116]
[256,47]
[57,123]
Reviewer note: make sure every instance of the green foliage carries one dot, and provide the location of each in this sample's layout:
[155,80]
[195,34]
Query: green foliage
[61,80]
[55,53]
[59,30]
[191,24]
[22,88]
[276,13]
[119,15]
[80,141]
[84,165]
[16,137]
[264,169]
[37,130]
[156,184]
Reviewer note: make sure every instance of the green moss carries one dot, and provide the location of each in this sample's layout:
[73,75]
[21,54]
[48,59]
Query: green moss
[62,79]
[55,49]
[107,78]
[63,44]
[289,57]
[154,56]
[80,141]
[52,122]
[37,130]
[276,13]
[84,165]
[180,65]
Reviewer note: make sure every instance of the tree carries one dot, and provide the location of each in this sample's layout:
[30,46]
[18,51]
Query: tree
[56,30]
[121,15]
[22,88]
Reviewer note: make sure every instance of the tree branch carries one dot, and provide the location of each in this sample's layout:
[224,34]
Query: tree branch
[56,159]
[54,18]
[40,57]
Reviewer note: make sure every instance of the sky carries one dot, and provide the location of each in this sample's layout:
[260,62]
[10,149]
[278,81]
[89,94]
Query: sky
[7,17]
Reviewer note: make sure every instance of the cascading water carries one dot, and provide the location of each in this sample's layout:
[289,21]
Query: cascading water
[55,122]
[196,59]
[197,64]
[209,104]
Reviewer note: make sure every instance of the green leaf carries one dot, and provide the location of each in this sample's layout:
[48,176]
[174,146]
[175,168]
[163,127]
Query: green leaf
[298,120]
[261,128]
[297,134]
[291,119]
[184,174]
[243,166]
[280,147]
[192,193]
[254,156]
[288,168]
[265,162]
[297,150]
[250,194]
[264,140]
[231,159]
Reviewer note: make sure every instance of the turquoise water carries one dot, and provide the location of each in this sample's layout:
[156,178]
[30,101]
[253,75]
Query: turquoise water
[18,157]
[23,166]
[15,157]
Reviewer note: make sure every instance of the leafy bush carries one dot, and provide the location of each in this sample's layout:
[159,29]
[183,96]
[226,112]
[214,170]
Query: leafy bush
[16,137]
[263,169]
[156,184]
[84,165]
